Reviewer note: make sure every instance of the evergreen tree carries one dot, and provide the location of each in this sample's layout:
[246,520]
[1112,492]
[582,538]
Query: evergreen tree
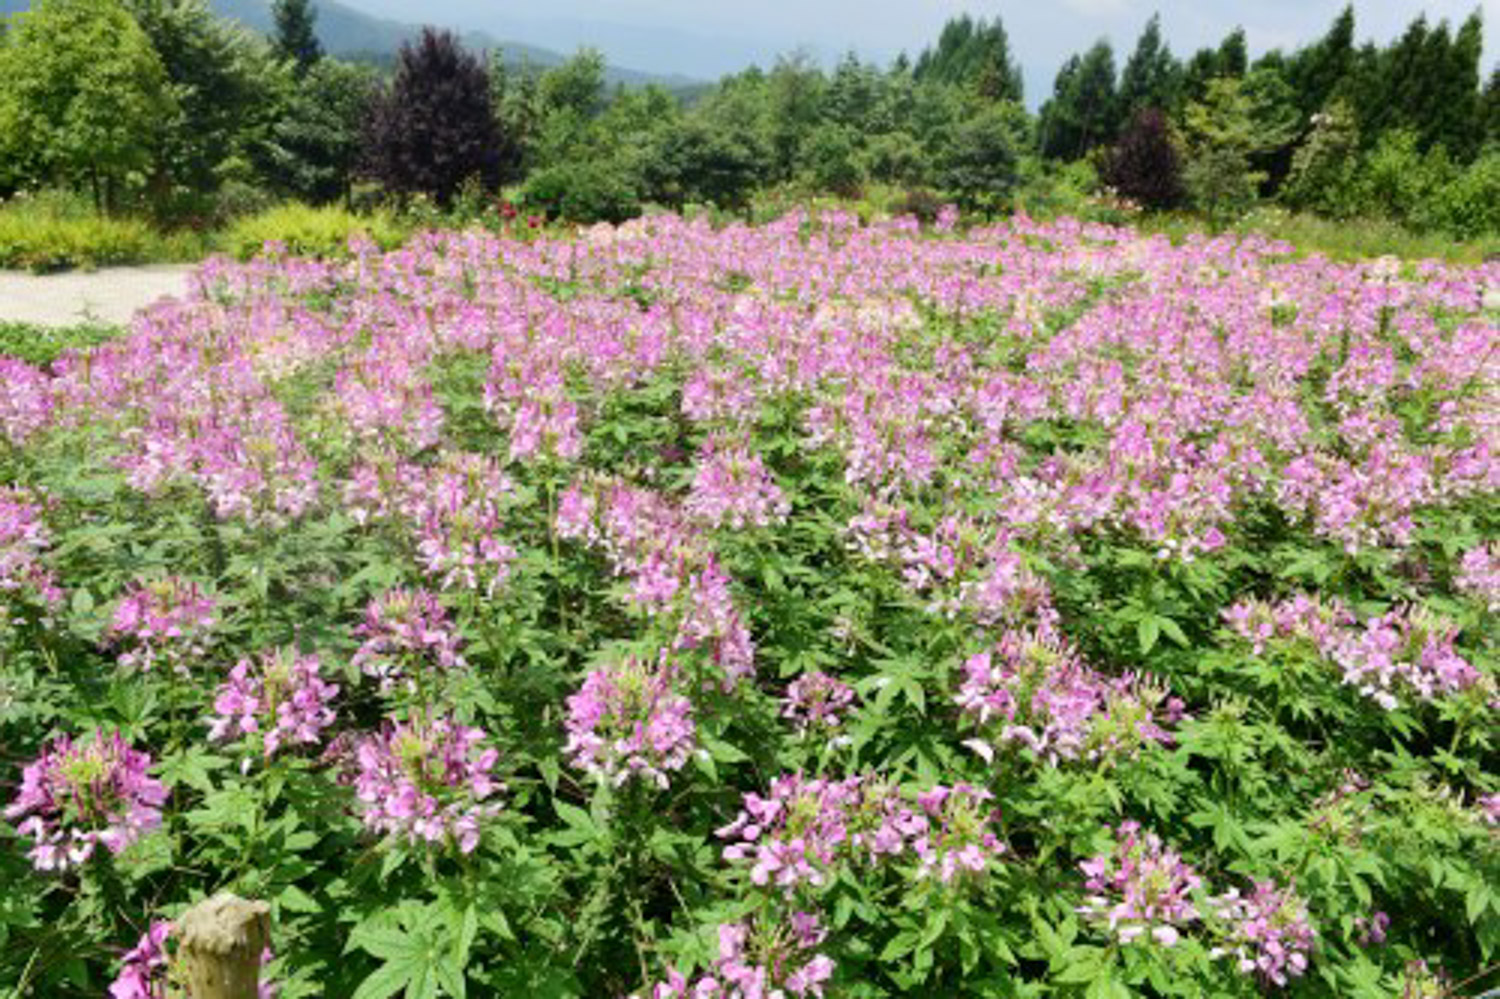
[435,127]
[1320,70]
[976,54]
[295,39]
[1232,59]
[314,146]
[1083,112]
[1150,77]
[1457,107]
[1489,104]
[980,163]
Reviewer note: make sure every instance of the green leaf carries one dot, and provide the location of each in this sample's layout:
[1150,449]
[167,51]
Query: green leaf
[386,981]
[1147,630]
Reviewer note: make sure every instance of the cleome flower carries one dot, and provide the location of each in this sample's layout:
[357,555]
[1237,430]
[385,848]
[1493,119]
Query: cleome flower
[405,631]
[165,621]
[429,781]
[759,958]
[1032,690]
[83,794]
[1268,933]
[280,696]
[1140,889]
[628,721]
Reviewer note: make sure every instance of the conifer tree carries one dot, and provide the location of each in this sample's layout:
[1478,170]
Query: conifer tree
[295,39]
[1150,77]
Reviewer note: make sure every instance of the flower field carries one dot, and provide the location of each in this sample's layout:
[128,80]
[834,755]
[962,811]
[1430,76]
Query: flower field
[815,609]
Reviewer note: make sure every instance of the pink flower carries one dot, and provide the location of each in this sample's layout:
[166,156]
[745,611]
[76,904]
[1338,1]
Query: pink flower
[628,721]
[1268,933]
[79,795]
[280,696]
[1140,890]
[405,631]
[166,620]
[431,782]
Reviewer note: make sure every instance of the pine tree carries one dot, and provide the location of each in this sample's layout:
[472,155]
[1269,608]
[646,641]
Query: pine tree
[1319,71]
[1083,112]
[295,39]
[1150,77]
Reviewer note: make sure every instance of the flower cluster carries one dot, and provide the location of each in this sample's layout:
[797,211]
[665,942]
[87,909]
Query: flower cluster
[816,702]
[799,832]
[25,400]
[458,519]
[143,974]
[1404,652]
[758,959]
[165,620]
[670,567]
[628,721]
[405,631]
[1479,575]
[732,487]
[1302,617]
[430,781]
[280,696]
[1140,889]
[1268,933]
[23,539]
[83,794]
[1032,690]
[957,840]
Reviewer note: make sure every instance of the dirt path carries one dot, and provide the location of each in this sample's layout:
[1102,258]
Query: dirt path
[110,296]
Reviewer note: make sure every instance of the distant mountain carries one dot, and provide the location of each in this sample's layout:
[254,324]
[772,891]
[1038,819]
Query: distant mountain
[350,33]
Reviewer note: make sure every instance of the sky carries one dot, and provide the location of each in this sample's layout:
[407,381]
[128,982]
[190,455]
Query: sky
[707,38]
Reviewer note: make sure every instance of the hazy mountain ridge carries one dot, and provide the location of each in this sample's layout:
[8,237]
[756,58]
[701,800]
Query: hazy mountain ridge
[347,32]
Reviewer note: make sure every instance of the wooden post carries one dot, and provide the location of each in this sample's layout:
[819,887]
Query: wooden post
[220,943]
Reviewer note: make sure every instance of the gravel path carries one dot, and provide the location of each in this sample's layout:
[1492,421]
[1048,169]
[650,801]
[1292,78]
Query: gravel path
[110,296]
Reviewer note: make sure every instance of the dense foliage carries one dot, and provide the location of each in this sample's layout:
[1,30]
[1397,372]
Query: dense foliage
[202,121]
[1036,610]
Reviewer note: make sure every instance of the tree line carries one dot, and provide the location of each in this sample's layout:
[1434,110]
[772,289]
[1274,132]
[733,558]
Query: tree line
[158,106]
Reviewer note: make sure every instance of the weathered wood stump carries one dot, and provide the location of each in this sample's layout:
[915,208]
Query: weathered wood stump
[220,941]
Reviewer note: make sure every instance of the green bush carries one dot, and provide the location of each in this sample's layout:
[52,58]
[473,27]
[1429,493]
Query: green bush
[307,231]
[582,192]
[45,344]
[1469,206]
[52,232]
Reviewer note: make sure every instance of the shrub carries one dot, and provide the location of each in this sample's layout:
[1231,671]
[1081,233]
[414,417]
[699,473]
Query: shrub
[1325,166]
[1469,206]
[307,231]
[584,192]
[921,204]
[1144,165]
[435,127]
[53,233]
[981,163]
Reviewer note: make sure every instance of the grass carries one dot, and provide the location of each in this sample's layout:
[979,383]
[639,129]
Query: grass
[1348,240]
[45,344]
